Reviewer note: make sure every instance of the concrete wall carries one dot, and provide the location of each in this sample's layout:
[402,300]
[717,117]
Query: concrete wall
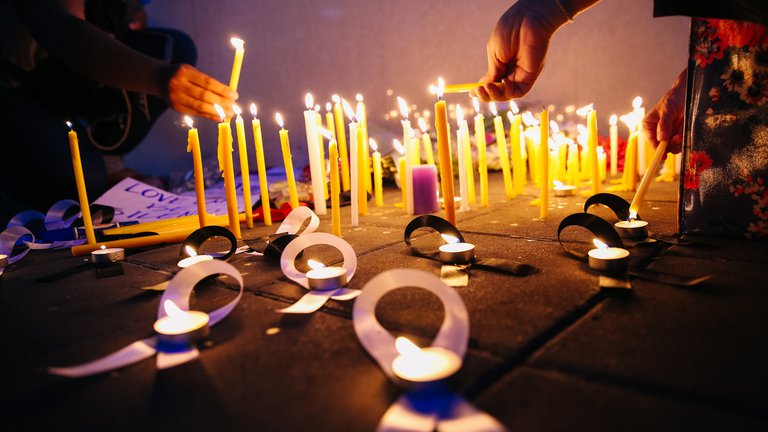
[610,54]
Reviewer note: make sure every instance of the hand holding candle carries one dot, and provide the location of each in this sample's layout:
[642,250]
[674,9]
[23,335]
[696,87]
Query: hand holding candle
[238,63]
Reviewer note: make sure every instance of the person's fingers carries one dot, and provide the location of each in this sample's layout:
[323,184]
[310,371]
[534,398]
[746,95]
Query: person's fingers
[675,144]
[482,94]
[207,82]
[186,107]
[496,92]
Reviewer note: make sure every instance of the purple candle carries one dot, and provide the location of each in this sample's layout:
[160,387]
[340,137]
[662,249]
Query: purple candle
[425,189]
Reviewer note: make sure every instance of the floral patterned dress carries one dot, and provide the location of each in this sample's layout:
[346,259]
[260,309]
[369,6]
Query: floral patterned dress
[725,152]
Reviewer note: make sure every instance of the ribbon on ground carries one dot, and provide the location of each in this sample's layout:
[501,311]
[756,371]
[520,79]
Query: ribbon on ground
[272,246]
[599,227]
[617,204]
[201,235]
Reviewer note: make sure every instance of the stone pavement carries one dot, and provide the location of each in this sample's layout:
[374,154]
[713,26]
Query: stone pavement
[550,351]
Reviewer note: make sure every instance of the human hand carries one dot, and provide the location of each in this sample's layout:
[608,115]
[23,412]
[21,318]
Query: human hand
[517,48]
[190,91]
[665,121]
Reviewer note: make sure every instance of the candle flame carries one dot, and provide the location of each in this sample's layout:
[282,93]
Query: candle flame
[359,97]
[372,143]
[220,110]
[103,247]
[494,111]
[188,120]
[557,183]
[631,120]
[613,120]
[173,311]
[236,109]
[529,119]
[190,250]
[69,125]
[582,129]
[279,120]
[237,43]
[513,107]
[583,111]
[599,244]
[449,238]
[254,110]
[327,106]
[422,125]
[317,107]
[398,146]
[459,115]
[336,99]
[405,347]
[404,111]
[632,215]
[325,133]
[440,87]
[637,102]
[309,101]
[476,104]
[315,265]
[348,110]
[554,127]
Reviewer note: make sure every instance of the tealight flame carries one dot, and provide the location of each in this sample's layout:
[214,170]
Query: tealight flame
[236,109]
[103,247]
[348,110]
[254,110]
[190,250]
[174,312]
[372,143]
[529,120]
[632,215]
[405,347]
[440,87]
[613,120]
[422,125]
[513,107]
[459,115]
[315,265]
[583,111]
[557,184]
[325,133]
[188,120]
[398,146]
[220,110]
[336,99]
[554,127]
[599,244]
[279,120]
[359,97]
[309,101]
[327,106]
[637,102]
[449,238]
[404,111]
[69,125]
[494,111]
[237,43]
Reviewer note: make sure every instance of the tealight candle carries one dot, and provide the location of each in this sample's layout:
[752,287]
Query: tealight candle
[105,255]
[3,260]
[563,190]
[325,278]
[632,228]
[608,259]
[179,327]
[456,252]
[423,364]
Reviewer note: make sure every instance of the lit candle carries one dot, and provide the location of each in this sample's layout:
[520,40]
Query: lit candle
[82,194]
[3,261]
[193,145]
[518,166]
[470,167]
[573,164]
[362,118]
[460,147]
[501,143]
[377,185]
[354,194]
[181,327]
[426,142]
[601,165]
[261,165]
[225,152]
[563,190]
[559,149]
[398,146]
[544,164]
[341,140]
[444,154]
[633,228]
[482,159]
[614,134]
[287,161]
[423,364]
[313,148]
[333,161]
[362,152]
[415,149]
[321,149]
[324,278]
[639,112]
[193,258]
[591,114]
[630,162]
[634,207]
[608,259]
[531,135]
[425,189]
[238,63]
[456,252]
[105,255]
[404,111]
[244,169]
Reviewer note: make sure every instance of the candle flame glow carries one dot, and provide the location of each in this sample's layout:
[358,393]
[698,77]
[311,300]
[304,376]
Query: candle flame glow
[583,111]
[513,107]
[236,109]
[279,120]
[404,111]
[459,115]
[440,87]
[69,125]
[637,102]
[190,250]
[348,110]
[494,111]
[327,106]
[103,247]
[336,99]
[582,129]
[237,43]
[631,120]
[529,119]
[422,125]
[599,244]
[317,107]
[220,110]
[188,120]
[359,97]
[405,347]
[632,215]
[254,110]
[173,311]
[398,146]
[613,120]
[315,265]
[449,238]
[309,101]
[554,127]
[372,143]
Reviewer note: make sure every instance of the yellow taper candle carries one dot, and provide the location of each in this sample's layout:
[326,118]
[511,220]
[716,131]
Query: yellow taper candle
[544,164]
[501,143]
[333,160]
[482,158]
[444,154]
[592,149]
[193,145]
[287,161]
[245,171]
[341,141]
[650,173]
[426,142]
[225,150]
[518,166]
[614,135]
[238,63]
[378,191]
[261,166]
[82,194]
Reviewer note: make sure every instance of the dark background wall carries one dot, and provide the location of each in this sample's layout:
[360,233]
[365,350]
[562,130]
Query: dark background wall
[610,54]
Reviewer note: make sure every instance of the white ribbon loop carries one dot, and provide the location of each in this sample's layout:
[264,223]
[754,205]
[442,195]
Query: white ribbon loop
[293,222]
[10,237]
